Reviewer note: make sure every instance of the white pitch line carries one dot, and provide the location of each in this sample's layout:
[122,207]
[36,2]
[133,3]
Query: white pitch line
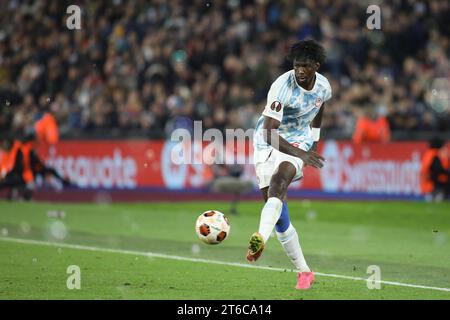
[234,264]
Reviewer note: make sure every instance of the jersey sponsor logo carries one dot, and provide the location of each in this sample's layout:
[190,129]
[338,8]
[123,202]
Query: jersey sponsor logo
[276,106]
[318,102]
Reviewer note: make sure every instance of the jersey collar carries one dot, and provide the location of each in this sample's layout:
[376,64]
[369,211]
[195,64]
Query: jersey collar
[300,87]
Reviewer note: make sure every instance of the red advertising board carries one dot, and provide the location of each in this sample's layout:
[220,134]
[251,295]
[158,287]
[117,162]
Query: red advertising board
[123,164]
[391,168]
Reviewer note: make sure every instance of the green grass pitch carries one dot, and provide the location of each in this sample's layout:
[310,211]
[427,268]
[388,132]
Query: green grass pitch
[409,241]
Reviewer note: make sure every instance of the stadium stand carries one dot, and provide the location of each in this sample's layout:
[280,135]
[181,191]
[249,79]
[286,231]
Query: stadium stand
[143,68]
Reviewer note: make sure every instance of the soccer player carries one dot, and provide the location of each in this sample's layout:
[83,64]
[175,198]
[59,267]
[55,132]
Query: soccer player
[285,140]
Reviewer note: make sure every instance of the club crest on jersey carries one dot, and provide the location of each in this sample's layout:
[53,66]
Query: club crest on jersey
[276,106]
[318,102]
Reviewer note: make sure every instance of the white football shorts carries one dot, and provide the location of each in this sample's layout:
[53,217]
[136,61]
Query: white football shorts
[267,162]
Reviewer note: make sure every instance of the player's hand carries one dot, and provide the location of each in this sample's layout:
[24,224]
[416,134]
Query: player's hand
[311,158]
[314,147]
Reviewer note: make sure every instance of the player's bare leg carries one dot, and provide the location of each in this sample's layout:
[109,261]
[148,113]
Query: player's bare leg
[265,194]
[272,209]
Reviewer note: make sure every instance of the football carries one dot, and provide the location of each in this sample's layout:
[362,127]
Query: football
[212,227]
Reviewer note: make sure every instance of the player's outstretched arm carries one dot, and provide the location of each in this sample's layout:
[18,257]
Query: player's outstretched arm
[272,137]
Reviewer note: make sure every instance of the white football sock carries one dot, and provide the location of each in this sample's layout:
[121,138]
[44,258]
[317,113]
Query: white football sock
[289,241]
[269,217]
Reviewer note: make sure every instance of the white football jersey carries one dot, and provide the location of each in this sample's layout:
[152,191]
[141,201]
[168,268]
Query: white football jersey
[294,107]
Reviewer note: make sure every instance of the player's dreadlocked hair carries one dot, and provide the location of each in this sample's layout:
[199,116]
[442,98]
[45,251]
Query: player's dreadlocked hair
[307,49]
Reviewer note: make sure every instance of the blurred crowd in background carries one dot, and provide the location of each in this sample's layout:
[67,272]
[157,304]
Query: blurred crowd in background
[143,68]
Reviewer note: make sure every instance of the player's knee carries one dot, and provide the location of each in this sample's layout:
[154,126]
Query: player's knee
[281,180]
[278,187]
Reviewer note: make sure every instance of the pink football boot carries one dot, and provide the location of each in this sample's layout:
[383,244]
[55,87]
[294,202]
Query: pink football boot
[304,280]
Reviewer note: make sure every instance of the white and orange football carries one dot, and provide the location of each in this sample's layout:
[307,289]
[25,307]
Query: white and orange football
[212,227]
